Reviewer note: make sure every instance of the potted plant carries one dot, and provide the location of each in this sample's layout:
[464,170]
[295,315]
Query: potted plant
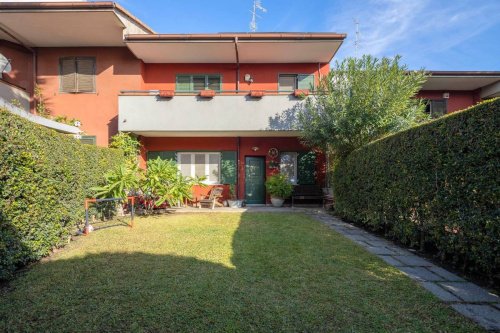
[232,201]
[280,188]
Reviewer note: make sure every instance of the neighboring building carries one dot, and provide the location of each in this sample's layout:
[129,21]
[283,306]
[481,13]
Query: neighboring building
[221,105]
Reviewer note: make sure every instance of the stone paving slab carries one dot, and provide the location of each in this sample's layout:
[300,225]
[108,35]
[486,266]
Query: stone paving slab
[469,292]
[438,291]
[413,260]
[420,273]
[446,275]
[485,315]
[466,298]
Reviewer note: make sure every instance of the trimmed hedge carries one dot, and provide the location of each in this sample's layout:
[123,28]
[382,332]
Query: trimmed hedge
[44,179]
[436,186]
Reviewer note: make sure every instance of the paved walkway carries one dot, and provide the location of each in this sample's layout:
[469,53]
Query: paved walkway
[467,298]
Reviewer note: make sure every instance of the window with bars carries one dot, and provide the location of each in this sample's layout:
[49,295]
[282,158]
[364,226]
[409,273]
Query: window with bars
[77,74]
[290,82]
[191,83]
[201,164]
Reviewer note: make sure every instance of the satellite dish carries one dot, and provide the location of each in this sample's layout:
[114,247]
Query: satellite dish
[5,66]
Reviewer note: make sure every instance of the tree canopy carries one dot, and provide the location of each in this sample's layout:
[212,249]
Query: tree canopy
[361,100]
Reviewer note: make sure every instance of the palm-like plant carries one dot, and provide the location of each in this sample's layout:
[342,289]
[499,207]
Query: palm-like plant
[119,182]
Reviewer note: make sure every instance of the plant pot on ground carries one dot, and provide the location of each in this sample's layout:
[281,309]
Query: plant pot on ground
[279,188]
[233,202]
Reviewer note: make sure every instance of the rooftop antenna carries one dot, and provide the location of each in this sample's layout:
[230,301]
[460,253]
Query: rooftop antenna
[257,5]
[356,41]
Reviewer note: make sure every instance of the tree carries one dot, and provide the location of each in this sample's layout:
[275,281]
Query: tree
[361,100]
[130,145]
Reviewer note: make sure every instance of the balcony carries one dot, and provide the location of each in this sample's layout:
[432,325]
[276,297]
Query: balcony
[152,113]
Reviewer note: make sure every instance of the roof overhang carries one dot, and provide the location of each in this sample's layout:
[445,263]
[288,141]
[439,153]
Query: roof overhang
[238,47]
[458,80]
[67,24]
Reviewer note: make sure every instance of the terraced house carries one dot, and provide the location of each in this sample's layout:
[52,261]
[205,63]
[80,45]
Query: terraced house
[220,105]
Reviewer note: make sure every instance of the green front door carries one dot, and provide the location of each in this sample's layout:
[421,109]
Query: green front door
[255,174]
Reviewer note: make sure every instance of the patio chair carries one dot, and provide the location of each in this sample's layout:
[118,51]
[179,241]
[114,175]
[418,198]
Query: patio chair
[212,199]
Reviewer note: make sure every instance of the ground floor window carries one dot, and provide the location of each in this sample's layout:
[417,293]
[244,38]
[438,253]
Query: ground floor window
[436,107]
[288,165]
[201,164]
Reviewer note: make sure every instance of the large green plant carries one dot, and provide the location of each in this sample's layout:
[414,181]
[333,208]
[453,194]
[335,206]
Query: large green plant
[435,186]
[279,186]
[163,182]
[128,143]
[361,100]
[119,182]
[44,179]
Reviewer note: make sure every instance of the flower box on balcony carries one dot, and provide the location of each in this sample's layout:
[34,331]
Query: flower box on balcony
[167,93]
[207,93]
[301,92]
[256,93]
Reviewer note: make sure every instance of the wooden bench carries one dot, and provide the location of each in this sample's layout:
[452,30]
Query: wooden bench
[307,192]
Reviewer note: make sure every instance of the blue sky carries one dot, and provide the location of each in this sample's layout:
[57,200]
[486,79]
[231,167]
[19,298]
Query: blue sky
[430,34]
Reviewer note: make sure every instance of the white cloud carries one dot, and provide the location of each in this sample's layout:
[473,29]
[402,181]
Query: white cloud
[411,27]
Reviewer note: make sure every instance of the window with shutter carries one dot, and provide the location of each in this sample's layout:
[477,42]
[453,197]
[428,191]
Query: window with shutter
[88,139]
[77,74]
[191,83]
[228,166]
[85,74]
[306,168]
[183,83]
[305,81]
[67,70]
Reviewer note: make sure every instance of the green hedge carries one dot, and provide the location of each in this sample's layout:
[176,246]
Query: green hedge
[44,178]
[435,186]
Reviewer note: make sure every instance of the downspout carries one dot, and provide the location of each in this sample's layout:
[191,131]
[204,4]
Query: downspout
[238,168]
[237,64]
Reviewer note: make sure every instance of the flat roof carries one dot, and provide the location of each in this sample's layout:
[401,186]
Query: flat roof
[460,80]
[67,24]
[289,47]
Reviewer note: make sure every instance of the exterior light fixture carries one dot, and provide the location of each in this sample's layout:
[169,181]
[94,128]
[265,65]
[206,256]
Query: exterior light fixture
[446,95]
[248,78]
[255,148]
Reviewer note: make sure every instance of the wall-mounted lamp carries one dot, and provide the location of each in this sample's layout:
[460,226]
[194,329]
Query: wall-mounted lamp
[446,95]
[255,148]
[248,78]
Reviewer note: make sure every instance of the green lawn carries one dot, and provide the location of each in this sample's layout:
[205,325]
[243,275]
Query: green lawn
[220,272]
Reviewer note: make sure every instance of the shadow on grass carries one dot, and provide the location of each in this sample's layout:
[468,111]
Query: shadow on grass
[289,275]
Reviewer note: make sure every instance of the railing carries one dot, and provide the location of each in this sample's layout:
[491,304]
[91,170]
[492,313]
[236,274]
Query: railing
[146,112]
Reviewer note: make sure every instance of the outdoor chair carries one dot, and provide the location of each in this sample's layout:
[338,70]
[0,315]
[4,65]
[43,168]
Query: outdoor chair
[212,199]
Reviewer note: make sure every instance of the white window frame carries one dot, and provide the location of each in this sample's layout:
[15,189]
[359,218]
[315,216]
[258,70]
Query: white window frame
[295,159]
[207,164]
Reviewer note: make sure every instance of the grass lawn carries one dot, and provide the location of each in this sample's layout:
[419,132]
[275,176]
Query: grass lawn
[220,272]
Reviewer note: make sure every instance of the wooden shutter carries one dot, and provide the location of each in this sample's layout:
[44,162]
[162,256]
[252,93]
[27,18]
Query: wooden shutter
[214,82]
[183,83]
[287,82]
[305,81]
[306,168]
[199,82]
[85,74]
[88,139]
[67,74]
[228,167]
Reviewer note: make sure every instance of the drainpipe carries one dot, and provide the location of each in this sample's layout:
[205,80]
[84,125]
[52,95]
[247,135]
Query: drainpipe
[238,168]
[237,64]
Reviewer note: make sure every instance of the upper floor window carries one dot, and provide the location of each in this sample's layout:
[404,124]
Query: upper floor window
[290,82]
[436,107]
[188,83]
[77,74]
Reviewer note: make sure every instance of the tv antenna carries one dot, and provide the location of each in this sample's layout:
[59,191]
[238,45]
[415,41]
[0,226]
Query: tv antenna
[257,5]
[356,40]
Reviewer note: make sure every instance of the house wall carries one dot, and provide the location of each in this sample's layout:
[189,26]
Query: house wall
[231,143]
[21,61]
[458,100]
[162,76]
[116,69]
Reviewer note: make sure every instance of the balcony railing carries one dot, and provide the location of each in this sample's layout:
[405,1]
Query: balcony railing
[228,113]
